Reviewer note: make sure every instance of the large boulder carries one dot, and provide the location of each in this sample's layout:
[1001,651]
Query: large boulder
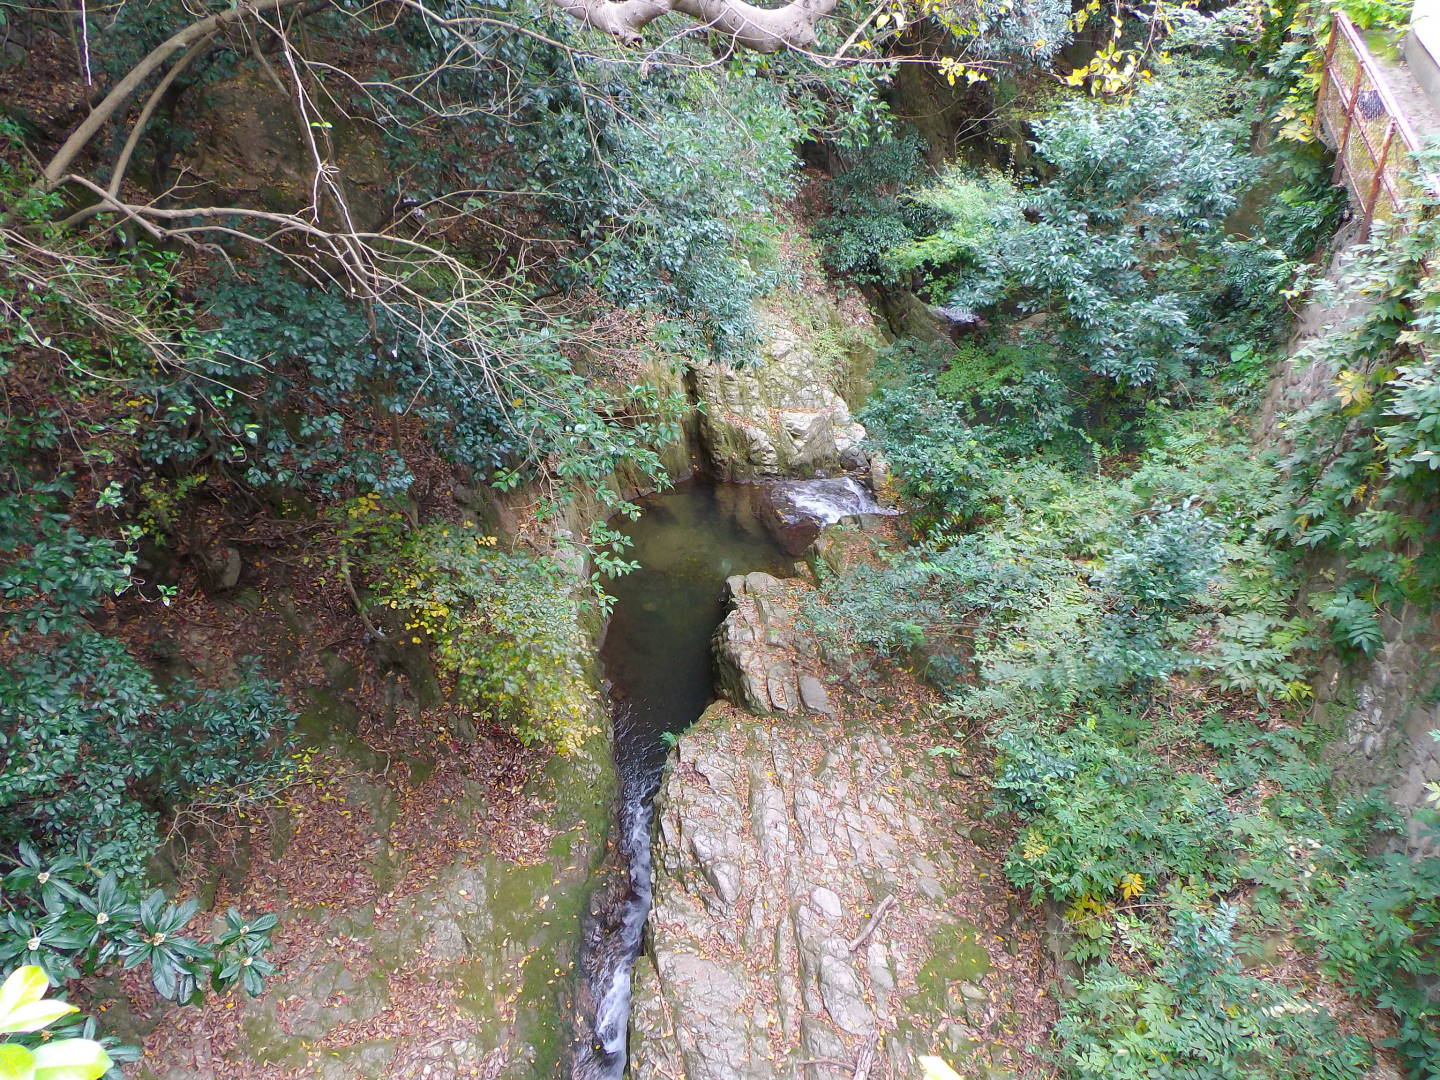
[779,412]
[756,664]
[814,905]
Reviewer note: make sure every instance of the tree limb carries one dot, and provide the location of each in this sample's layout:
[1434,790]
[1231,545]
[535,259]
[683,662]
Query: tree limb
[750,26]
[880,912]
[60,164]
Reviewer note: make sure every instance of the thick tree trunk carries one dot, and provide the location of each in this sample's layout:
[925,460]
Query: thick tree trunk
[748,25]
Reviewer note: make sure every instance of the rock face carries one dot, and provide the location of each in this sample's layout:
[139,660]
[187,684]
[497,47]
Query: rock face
[755,651]
[246,152]
[815,904]
[780,414]
[1388,703]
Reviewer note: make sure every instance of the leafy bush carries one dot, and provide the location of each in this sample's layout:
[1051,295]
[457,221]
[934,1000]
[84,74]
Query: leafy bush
[68,919]
[871,211]
[94,751]
[1363,463]
[496,620]
[25,1009]
[1100,816]
[1111,249]
[700,174]
[1024,405]
[1155,576]
[950,599]
[1200,1017]
[1378,934]
[942,461]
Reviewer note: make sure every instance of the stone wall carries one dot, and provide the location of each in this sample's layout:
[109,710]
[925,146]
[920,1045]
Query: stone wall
[1384,707]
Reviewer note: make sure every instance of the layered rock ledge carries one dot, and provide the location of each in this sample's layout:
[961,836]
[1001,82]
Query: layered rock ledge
[824,905]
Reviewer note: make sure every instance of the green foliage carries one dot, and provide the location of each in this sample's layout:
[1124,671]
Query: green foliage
[651,175]
[1098,811]
[1391,15]
[1201,1017]
[1378,935]
[1363,469]
[66,917]
[95,751]
[947,599]
[493,618]
[1012,390]
[943,463]
[872,212]
[1156,575]
[61,916]
[1109,247]
[700,174]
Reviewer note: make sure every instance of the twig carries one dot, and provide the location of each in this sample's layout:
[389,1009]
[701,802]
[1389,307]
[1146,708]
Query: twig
[880,912]
[866,1061]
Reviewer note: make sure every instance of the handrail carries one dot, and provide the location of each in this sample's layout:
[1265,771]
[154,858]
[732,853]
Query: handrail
[1359,116]
[1377,77]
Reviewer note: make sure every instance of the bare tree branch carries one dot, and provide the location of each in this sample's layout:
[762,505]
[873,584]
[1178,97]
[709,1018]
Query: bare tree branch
[60,164]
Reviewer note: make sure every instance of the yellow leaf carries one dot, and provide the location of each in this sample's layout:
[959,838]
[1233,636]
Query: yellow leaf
[1352,389]
[1131,886]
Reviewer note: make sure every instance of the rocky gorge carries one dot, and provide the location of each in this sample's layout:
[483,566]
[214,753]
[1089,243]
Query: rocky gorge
[818,909]
[491,931]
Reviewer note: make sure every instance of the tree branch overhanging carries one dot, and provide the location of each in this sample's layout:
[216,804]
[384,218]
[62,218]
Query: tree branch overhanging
[750,26]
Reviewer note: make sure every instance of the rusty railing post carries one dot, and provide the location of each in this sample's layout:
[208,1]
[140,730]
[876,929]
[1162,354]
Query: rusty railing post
[1325,78]
[1349,107]
[1376,180]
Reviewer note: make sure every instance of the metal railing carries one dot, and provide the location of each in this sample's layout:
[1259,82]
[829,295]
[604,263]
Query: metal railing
[1359,118]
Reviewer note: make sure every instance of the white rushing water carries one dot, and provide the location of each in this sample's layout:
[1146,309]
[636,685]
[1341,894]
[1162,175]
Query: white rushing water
[827,501]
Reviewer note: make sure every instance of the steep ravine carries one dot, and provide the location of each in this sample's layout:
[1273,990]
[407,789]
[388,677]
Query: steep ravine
[431,910]
[771,422]
[657,661]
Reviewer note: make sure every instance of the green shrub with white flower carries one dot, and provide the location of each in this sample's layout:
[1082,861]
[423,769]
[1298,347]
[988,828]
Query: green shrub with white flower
[65,919]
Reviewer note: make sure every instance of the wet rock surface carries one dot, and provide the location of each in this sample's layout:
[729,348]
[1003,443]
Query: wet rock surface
[817,906]
[795,511]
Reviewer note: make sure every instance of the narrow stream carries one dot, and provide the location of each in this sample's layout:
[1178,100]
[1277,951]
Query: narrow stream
[657,659]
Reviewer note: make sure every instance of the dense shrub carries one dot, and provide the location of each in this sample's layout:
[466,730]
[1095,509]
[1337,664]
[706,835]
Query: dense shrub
[496,620]
[1200,1017]
[1111,249]
[872,211]
[95,751]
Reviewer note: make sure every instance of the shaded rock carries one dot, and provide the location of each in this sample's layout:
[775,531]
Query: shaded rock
[780,679]
[248,152]
[781,413]
[957,322]
[844,996]
[814,696]
[753,647]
